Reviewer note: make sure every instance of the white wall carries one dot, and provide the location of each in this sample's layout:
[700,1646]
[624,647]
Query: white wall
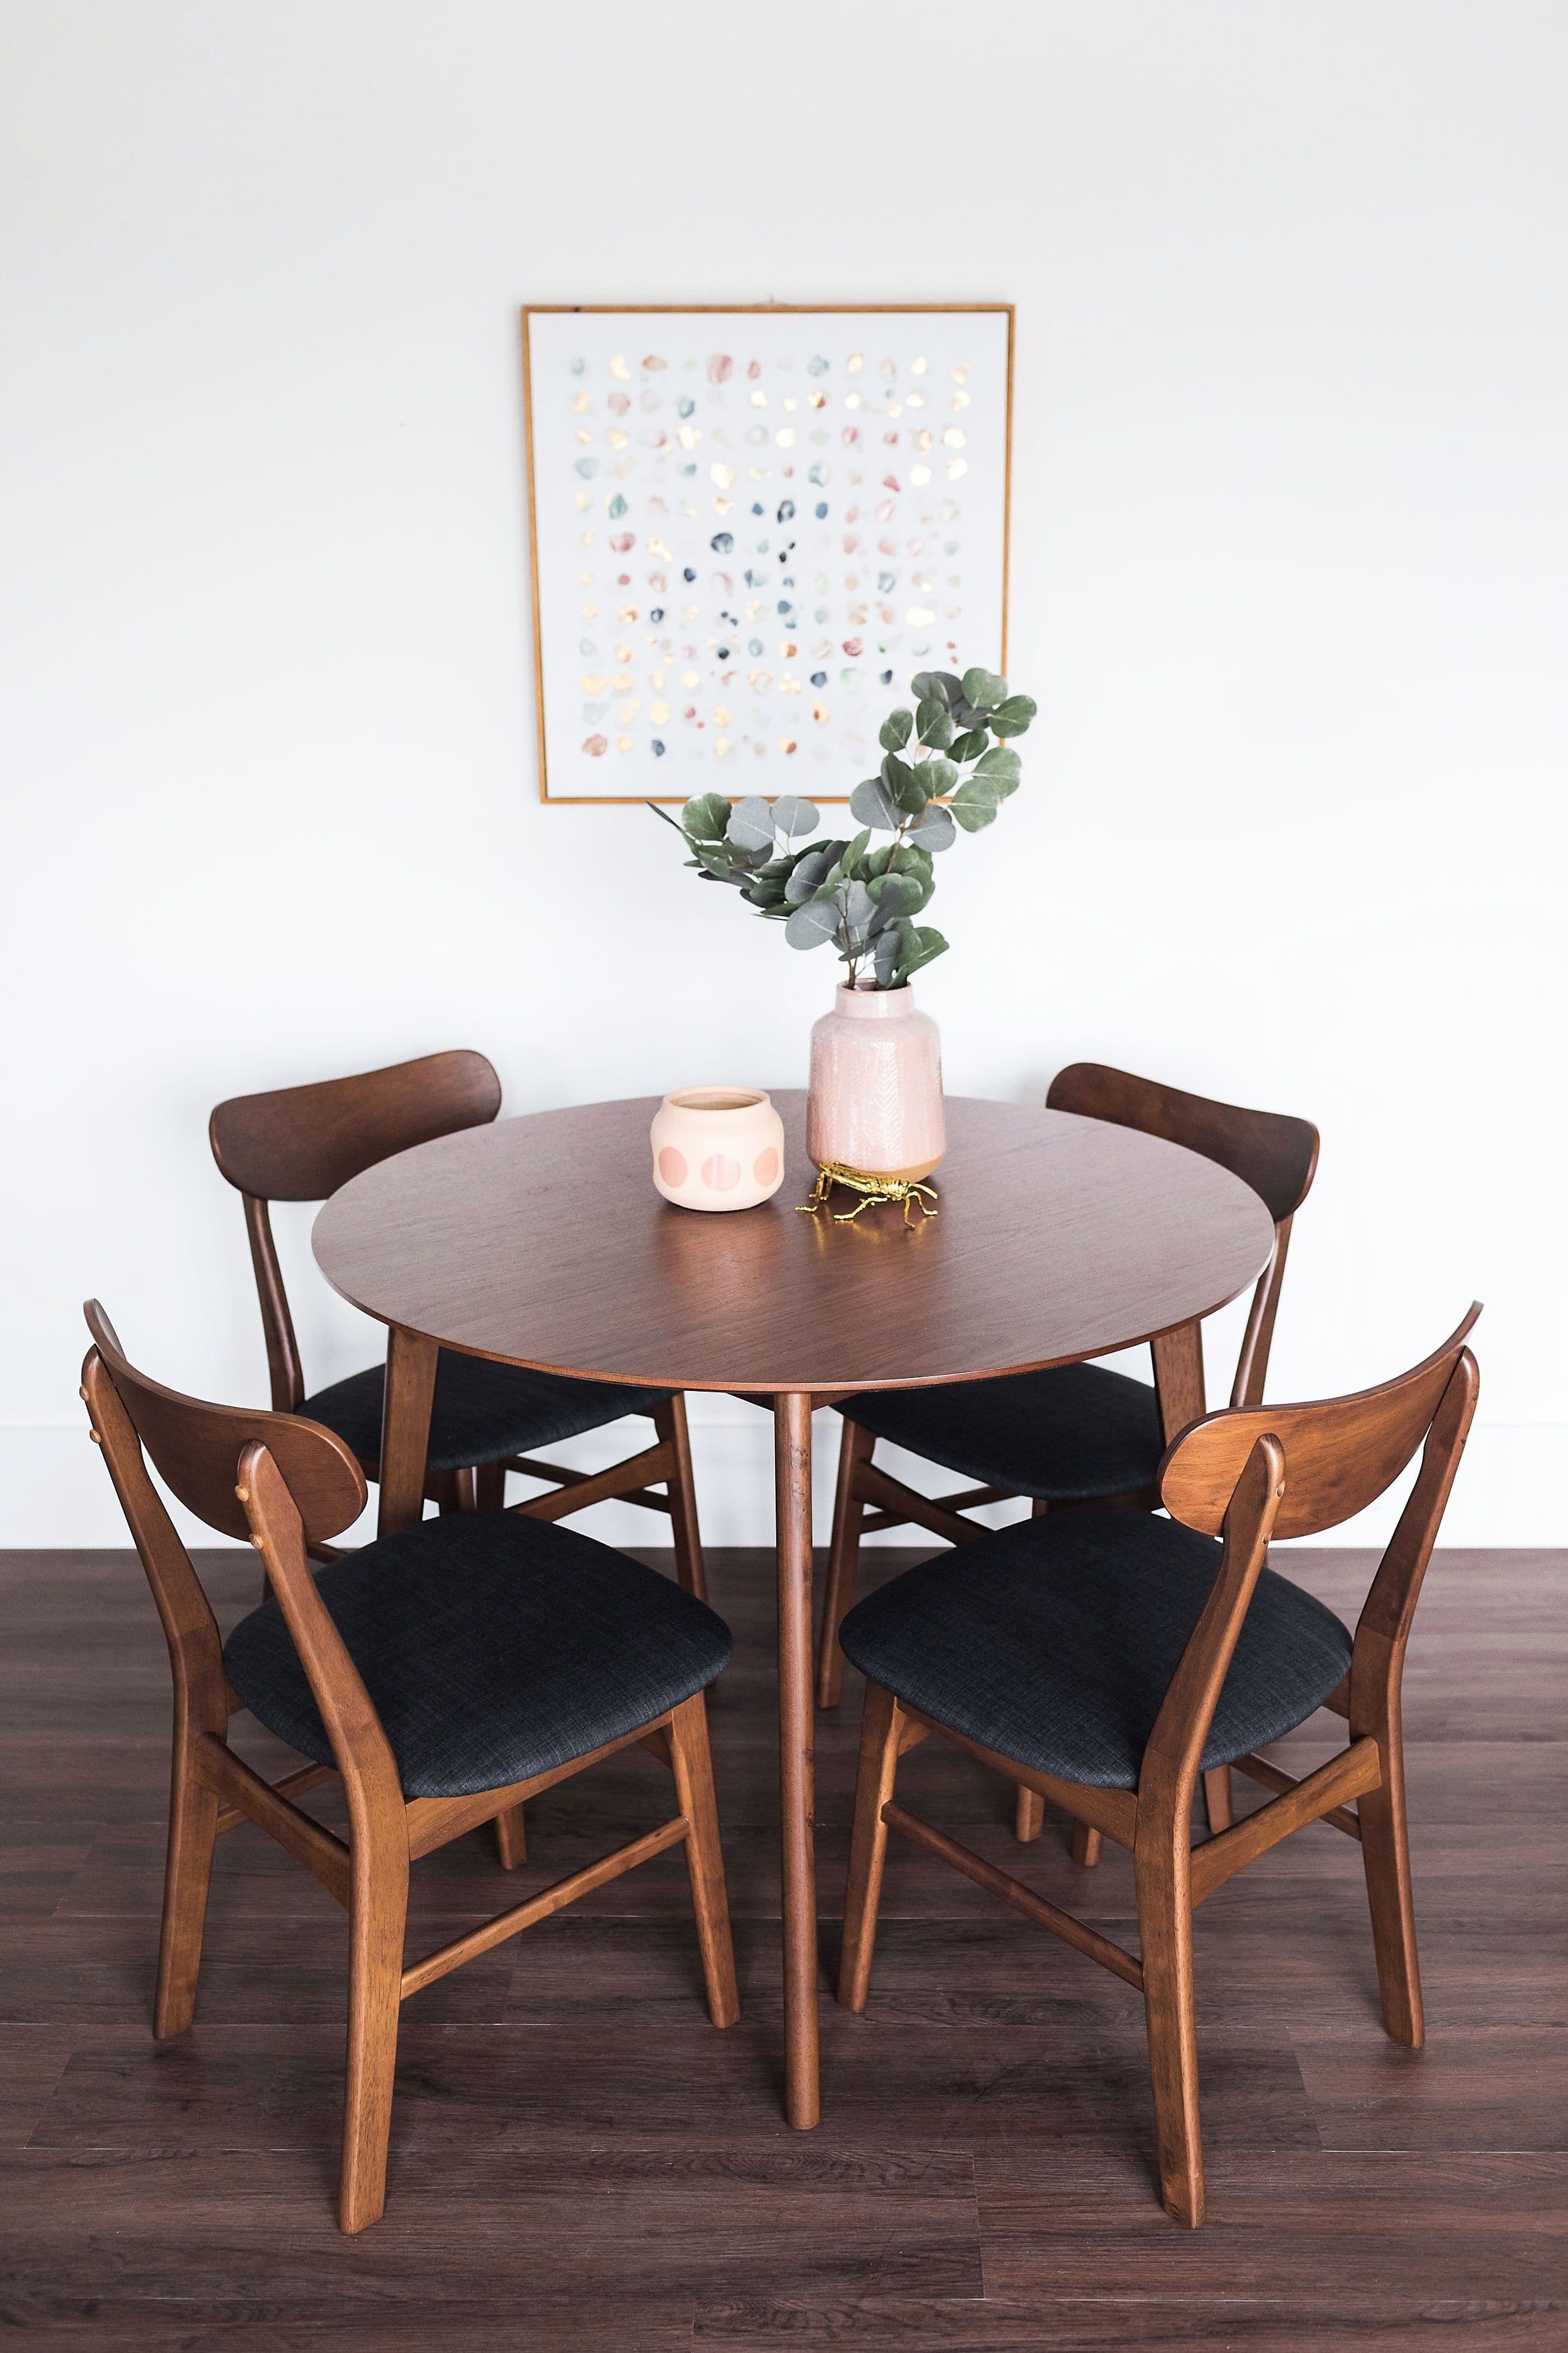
[1288,584]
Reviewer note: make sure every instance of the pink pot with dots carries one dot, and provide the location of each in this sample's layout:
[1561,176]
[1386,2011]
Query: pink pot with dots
[717,1148]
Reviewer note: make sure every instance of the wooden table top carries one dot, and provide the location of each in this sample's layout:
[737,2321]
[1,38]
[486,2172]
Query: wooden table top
[541,1242]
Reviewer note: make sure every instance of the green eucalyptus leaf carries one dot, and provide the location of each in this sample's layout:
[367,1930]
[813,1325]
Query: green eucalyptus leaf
[853,860]
[975,815]
[906,784]
[808,869]
[909,859]
[939,777]
[894,894]
[706,818]
[895,729]
[935,830]
[1002,766]
[794,817]
[811,925]
[850,862]
[975,803]
[983,690]
[1012,717]
[934,721]
[859,909]
[766,889]
[967,747]
[750,825]
[885,954]
[873,804]
[920,946]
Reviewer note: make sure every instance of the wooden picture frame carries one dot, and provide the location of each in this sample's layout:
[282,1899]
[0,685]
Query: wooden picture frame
[685,425]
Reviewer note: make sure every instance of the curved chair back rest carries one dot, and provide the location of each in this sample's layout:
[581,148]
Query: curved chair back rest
[299,1144]
[1340,1455]
[1275,1155]
[195,1448]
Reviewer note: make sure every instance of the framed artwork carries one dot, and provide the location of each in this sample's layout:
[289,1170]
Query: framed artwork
[749,528]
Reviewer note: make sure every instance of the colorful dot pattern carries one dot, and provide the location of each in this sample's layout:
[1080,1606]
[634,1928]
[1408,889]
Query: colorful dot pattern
[751,531]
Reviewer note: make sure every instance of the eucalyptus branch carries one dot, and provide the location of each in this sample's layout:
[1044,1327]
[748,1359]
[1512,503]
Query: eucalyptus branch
[865,900]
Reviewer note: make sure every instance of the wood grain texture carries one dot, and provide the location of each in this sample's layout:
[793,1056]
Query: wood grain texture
[579,2161]
[299,1144]
[1342,1451]
[797,1759]
[541,1242]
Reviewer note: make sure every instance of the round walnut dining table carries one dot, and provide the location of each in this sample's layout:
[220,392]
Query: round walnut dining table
[541,1241]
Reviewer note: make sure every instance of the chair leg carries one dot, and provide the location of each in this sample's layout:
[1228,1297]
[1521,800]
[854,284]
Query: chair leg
[377,1916]
[1385,1856]
[1085,1845]
[868,1843]
[511,1838]
[187,1873]
[669,1421]
[1218,1804]
[1029,1808]
[692,1764]
[855,1446]
[1166,1933]
[489,1487]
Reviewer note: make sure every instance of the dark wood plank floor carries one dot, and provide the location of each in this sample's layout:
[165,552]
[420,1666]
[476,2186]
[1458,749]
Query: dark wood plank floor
[580,2161]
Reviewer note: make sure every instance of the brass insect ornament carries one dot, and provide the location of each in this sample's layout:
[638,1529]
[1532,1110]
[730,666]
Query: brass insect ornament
[872,1189]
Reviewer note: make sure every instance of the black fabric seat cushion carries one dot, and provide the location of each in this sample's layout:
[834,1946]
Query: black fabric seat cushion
[481,1412]
[1069,1434]
[492,1647]
[1053,1642]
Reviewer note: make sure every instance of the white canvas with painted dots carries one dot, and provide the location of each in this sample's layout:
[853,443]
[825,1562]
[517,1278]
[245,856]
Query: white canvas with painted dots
[751,528]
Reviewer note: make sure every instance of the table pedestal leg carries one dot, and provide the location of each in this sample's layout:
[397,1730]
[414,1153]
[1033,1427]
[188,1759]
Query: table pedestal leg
[791,1464]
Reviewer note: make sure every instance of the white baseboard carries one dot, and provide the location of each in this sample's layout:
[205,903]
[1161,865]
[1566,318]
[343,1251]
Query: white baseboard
[55,1492]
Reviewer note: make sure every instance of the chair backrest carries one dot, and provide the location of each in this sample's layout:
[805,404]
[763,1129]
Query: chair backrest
[195,1448]
[313,1489]
[299,1144]
[1275,1155]
[1292,1471]
[1339,1454]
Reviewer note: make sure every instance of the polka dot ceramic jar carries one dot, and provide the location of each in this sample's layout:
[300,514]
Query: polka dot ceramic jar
[717,1148]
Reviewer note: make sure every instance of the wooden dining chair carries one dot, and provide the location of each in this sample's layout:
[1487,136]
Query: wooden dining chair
[1104,1658]
[1076,1433]
[445,1674]
[300,1143]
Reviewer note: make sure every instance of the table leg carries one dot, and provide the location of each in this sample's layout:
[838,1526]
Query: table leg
[791,1466]
[405,1431]
[1179,1377]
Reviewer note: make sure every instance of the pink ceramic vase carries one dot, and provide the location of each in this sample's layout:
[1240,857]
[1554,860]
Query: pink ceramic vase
[876,1084]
